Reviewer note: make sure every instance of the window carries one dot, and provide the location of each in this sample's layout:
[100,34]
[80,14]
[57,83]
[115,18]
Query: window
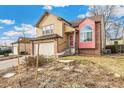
[86,34]
[43,30]
[89,36]
[52,26]
[48,29]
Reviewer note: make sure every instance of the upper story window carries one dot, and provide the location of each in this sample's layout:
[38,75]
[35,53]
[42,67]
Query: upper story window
[86,34]
[48,29]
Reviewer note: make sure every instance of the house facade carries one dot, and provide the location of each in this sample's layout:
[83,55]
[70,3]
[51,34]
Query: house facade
[22,46]
[56,36]
[115,45]
[91,36]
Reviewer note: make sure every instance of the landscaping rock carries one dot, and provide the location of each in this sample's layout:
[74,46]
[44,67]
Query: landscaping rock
[66,68]
[40,69]
[66,61]
[31,69]
[78,70]
[8,75]
[117,75]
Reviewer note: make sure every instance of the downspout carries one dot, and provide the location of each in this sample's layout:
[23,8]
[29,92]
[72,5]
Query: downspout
[103,35]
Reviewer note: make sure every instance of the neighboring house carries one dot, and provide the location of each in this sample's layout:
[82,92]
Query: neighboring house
[56,36]
[22,45]
[5,50]
[115,45]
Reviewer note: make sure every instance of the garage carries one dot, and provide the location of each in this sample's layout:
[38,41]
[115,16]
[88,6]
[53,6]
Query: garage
[46,49]
[15,50]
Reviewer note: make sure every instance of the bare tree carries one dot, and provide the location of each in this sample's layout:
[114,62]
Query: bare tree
[18,59]
[23,33]
[109,15]
[37,62]
[117,28]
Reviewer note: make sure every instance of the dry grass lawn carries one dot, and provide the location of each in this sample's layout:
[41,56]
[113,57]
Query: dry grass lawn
[86,71]
[114,63]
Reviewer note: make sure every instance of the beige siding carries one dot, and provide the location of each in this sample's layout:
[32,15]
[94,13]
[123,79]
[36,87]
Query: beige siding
[60,28]
[51,19]
[38,32]
[63,43]
[68,28]
[28,47]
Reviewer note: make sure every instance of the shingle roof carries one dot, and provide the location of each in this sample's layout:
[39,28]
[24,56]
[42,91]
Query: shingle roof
[60,18]
[75,23]
[47,37]
[23,40]
[97,18]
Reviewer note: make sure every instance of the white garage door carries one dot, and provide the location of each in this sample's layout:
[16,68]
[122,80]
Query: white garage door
[46,49]
[15,50]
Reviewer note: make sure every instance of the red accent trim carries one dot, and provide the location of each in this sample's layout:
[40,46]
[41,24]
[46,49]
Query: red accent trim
[88,44]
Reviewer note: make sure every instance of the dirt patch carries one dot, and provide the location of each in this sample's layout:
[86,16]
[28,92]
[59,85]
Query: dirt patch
[54,75]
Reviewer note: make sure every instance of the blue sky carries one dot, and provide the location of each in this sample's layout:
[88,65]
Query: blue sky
[16,19]
[19,17]
[31,14]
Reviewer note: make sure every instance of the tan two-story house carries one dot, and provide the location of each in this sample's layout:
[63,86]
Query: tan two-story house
[53,34]
[56,36]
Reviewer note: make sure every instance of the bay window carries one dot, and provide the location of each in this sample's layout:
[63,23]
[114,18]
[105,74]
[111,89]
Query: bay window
[86,34]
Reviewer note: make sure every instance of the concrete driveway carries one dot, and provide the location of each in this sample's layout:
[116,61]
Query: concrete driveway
[10,63]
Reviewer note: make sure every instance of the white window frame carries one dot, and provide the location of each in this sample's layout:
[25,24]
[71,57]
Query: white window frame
[84,35]
[46,30]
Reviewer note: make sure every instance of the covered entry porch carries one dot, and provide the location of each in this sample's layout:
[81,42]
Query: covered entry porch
[72,42]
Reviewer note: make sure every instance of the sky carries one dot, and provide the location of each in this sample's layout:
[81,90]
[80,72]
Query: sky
[14,20]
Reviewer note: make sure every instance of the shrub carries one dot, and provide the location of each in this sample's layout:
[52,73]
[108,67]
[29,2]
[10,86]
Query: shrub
[31,61]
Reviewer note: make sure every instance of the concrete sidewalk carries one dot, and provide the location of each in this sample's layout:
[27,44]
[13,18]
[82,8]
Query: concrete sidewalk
[8,57]
[10,63]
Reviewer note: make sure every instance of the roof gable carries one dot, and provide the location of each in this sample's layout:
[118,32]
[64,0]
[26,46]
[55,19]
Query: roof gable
[97,18]
[59,18]
[41,18]
[73,24]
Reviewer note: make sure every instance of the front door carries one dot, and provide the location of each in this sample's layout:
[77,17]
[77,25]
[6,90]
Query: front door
[71,42]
